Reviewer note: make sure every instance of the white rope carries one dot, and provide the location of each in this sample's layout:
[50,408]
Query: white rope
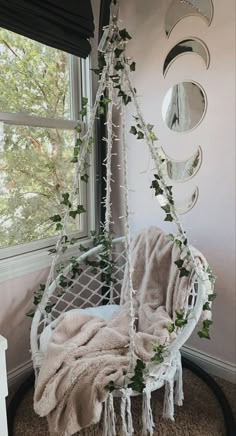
[125,412]
[168,406]
[147,417]
[109,426]
[179,393]
[128,246]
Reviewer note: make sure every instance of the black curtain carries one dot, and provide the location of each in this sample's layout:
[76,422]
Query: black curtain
[101,129]
[63,24]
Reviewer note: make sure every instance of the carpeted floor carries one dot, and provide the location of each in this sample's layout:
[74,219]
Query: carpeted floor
[200,415]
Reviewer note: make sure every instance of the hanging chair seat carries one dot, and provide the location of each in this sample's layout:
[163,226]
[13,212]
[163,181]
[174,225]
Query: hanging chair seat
[90,292]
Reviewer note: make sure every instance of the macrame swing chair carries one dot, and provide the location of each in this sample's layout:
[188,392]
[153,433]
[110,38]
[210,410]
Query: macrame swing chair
[94,278]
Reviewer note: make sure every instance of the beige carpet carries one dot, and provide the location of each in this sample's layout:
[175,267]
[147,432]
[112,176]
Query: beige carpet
[200,415]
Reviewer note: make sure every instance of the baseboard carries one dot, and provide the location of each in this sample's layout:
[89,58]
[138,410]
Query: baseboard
[19,374]
[212,365]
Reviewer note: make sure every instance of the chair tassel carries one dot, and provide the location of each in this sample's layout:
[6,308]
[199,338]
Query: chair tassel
[148,423]
[168,407]
[109,427]
[179,393]
[126,415]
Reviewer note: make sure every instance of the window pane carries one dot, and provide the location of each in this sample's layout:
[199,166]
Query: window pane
[35,169]
[34,78]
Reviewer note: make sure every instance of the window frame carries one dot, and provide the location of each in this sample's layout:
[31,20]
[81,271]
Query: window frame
[37,251]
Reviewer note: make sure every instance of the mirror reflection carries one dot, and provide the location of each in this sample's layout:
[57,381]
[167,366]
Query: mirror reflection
[184,106]
[181,171]
[180,9]
[186,204]
[191,45]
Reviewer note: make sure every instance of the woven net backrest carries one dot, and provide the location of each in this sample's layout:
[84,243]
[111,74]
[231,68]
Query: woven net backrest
[91,287]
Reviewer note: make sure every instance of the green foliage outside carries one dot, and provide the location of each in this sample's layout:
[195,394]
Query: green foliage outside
[35,165]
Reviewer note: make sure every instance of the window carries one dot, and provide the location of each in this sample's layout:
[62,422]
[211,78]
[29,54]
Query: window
[40,92]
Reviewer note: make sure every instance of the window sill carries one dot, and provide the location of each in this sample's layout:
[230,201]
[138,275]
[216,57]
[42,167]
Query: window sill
[19,266]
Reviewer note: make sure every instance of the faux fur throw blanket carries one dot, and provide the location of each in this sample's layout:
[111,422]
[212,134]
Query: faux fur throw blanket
[86,352]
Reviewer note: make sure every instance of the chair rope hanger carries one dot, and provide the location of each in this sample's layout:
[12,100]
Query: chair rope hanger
[115,91]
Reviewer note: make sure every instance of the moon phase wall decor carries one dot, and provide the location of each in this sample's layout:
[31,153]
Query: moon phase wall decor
[180,9]
[182,171]
[186,204]
[191,45]
[184,106]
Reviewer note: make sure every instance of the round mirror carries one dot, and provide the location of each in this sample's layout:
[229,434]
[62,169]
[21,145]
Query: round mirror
[184,106]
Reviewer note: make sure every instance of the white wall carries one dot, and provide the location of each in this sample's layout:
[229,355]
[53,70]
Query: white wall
[211,223]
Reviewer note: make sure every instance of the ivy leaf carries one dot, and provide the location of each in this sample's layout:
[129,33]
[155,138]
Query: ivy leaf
[127,99]
[211,297]
[30,313]
[132,66]
[55,218]
[110,386]
[85,178]
[140,135]
[78,128]
[204,333]
[180,322]
[207,306]
[178,243]
[166,208]
[152,136]
[150,127]
[74,160]
[80,209]
[180,313]
[66,201]
[133,130]
[179,263]
[171,327]
[73,214]
[118,52]
[171,237]
[84,101]
[184,272]
[124,34]
[168,217]
[207,323]
[83,112]
[79,142]
[119,66]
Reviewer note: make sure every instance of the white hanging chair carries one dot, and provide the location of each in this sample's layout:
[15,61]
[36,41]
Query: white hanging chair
[89,290]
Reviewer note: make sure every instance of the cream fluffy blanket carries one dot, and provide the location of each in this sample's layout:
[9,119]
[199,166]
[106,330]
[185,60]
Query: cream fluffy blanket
[86,352]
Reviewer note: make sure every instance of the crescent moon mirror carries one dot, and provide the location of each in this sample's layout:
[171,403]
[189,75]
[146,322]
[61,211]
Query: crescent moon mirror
[180,9]
[186,204]
[191,45]
[184,170]
[184,106]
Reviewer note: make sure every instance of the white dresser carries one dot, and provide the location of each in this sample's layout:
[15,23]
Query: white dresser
[3,387]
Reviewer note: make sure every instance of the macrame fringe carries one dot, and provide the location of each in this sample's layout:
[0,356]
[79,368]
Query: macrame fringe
[126,415]
[179,393]
[168,406]
[109,427]
[148,423]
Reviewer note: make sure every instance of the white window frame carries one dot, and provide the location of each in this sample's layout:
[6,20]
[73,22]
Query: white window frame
[24,258]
